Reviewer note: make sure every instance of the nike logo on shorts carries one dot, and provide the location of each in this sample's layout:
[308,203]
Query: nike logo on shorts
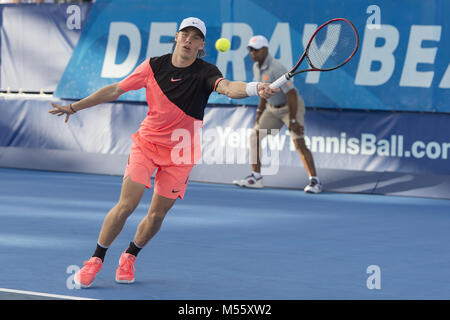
[175,80]
[175,191]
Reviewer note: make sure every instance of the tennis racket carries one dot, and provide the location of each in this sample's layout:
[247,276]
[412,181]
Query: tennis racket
[331,46]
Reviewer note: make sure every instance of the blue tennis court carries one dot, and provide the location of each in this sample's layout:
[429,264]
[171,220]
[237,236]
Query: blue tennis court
[222,242]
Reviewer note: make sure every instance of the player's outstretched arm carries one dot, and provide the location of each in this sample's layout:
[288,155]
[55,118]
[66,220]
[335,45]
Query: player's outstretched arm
[105,94]
[239,89]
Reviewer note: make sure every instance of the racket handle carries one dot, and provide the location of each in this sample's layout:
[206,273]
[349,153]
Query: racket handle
[280,81]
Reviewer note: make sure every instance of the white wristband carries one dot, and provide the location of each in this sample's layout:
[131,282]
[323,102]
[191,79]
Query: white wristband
[252,89]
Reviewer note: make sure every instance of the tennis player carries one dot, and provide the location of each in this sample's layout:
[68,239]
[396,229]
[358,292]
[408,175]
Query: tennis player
[178,86]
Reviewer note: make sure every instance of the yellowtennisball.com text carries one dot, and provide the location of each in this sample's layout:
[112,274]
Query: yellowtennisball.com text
[227,145]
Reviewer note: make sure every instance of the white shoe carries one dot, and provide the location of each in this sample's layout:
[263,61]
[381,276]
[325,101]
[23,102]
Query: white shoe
[314,186]
[250,182]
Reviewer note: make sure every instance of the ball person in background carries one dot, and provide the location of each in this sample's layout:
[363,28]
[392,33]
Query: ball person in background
[178,86]
[283,108]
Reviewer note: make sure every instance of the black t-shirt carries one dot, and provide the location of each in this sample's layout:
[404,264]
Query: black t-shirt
[188,88]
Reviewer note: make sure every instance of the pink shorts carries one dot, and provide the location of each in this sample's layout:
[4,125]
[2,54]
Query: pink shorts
[170,180]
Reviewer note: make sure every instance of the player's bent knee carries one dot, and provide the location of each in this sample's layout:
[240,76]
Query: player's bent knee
[126,208]
[157,214]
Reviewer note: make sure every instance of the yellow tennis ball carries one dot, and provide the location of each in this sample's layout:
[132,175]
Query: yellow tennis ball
[223,44]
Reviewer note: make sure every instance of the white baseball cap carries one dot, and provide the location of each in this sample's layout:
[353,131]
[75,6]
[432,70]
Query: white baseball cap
[193,22]
[258,42]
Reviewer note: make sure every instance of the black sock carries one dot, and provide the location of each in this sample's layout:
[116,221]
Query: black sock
[100,252]
[133,249]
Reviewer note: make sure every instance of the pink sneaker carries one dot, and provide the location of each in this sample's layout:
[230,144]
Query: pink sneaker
[85,277]
[125,271]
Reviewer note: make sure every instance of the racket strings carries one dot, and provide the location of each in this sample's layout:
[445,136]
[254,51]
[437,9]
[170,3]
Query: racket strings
[332,45]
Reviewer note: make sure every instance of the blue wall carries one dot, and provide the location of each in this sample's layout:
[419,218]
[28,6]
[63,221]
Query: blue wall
[416,143]
[402,63]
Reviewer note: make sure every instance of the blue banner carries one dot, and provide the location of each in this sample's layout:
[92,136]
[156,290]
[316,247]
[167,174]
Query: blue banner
[349,140]
[37,42]
[353,140]
[402,63]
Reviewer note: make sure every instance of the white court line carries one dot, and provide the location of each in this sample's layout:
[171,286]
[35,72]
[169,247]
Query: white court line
[41,294]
